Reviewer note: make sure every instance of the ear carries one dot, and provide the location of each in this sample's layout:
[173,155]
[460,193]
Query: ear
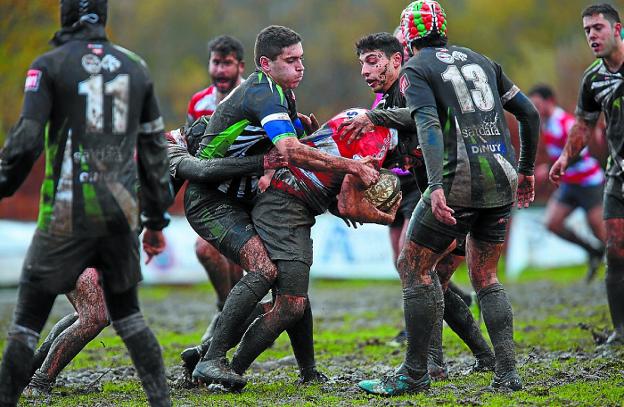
[265,63]
[397,57]
[241,66]
[617,27]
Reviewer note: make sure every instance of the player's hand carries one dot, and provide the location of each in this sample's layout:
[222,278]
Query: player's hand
[310,123]
[154,243]
[354,128]
[526,190]
[273,160]
[557,170]
[366,172]
[265,180]
[440,210]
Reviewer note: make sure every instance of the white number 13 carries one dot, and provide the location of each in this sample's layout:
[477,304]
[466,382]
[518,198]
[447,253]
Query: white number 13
[481,96]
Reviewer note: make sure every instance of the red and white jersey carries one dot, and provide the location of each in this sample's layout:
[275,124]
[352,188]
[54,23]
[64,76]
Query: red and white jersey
[203,103]
[318,188]
[586,171]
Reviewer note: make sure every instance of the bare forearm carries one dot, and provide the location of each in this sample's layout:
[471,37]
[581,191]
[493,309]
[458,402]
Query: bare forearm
[309,158]
[577,139]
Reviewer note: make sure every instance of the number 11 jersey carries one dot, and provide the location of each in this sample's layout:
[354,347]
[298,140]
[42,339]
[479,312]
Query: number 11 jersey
[96,98]
[469,92]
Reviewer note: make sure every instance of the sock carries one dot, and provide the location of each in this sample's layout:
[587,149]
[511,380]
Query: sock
[16,367]
[459,318]
[435,345]
[498,317]
[146,356]
[302,340]
[615,297]
[42,352]
[419,304]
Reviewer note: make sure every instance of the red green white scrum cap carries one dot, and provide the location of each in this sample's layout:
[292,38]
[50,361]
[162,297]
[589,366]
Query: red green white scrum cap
[422,18]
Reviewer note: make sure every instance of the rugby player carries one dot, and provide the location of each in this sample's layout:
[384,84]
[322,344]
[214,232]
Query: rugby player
[456,97]
[100,106]
[601,91]
[257,115]
[581,185]
[380,56]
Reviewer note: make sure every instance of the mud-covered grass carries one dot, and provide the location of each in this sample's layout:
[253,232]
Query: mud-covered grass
[558,319]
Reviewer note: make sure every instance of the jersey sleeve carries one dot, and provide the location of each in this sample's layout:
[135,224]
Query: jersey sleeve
[269,106]
[38,92]
[587,108]
[415,87]
[506,88]
[151,120]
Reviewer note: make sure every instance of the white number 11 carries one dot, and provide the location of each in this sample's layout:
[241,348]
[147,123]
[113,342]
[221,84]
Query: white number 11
[119,89]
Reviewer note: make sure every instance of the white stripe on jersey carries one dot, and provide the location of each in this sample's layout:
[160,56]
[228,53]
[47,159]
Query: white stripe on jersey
[510,94]
[274,117]
[153,126]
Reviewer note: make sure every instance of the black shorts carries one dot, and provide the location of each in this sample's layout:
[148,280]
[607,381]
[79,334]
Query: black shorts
[411,196]
[575,196]
[486,224]
[284,224]
[221,220]
[54,263]
[613,198]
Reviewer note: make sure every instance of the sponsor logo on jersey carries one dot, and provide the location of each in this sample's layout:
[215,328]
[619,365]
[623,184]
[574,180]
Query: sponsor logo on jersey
[33,79]
[91,63]
[488,148]
[444,57]
[484,129]
[97,49]
[460,56]
[110,63]
[403,84]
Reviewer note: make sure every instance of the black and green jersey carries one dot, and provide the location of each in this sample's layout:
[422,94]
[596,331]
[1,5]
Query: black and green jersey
[250,120]
[468,91]
[602,90]
[103,122]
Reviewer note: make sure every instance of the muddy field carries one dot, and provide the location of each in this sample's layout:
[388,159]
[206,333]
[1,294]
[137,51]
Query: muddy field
[559,324]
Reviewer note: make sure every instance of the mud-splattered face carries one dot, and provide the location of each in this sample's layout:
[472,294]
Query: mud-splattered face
[225,71]
[287,68]
[378,70]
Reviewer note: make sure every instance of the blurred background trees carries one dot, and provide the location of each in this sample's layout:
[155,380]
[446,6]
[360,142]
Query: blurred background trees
[534,40]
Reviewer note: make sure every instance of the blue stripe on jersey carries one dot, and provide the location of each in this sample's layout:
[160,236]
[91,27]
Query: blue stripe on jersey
[299,127]
[278,129]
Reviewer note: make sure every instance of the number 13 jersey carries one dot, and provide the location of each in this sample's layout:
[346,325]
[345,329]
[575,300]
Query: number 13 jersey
[96,98]
[469,92]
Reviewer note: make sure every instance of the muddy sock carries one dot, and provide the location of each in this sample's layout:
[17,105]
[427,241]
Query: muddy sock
[498,317]
[435,345]
[459,318]
[239,304]
[419,303]
[16,367]
[42,352]
[302,340]
[146,356]
[615,297]
[211,327]
[465,297]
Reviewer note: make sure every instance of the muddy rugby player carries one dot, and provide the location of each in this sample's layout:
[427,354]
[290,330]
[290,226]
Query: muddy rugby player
[471,191]
[257,115]
[601,91]
[99,102]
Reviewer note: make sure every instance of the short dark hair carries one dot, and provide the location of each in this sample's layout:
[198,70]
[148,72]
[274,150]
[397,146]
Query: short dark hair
[226,45]
[272,40]
[435,39]
[542,90]
[385,42]
[607,10]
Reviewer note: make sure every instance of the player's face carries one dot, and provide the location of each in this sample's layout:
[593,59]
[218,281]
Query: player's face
[542,105]
[603,37]
[377,70]
[225,71]
[287,69]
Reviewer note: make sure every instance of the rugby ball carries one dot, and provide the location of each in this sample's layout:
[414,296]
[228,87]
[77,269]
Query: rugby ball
[385,192]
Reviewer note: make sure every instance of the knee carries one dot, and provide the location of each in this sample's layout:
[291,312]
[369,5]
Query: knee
[255,259]
[553,226]
[206,252]
[290,309]
[615,253]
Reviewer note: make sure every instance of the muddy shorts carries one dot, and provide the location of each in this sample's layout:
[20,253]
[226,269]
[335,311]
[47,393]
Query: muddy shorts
[221,220]
[575,196]
[53,263]
[486,224]
[613,198]
[411,196]
[284,224]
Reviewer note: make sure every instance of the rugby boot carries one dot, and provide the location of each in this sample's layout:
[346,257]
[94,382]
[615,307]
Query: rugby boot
[614,340]
[437,371]
[191,356]
[595,260]
[399,340]
[396,384]
[483,364]
[311,376]
[510,380]
[218,371]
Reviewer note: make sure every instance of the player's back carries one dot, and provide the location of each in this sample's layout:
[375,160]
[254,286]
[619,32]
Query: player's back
[101,97]
[469,91]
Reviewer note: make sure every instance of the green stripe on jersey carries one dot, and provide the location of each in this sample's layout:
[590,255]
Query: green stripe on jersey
[92,205]
[46,197]
[219,145]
